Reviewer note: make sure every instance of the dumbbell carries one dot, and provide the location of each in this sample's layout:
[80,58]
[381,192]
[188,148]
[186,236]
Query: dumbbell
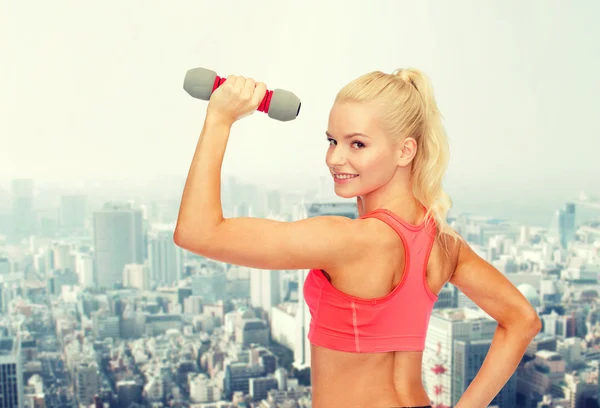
[279,104]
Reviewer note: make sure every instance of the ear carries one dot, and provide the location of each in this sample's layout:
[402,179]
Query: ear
[407,149]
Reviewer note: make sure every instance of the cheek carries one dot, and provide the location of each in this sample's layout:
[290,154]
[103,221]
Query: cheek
[376,164]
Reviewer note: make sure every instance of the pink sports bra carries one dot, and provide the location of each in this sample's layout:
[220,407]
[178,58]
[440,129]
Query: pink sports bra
[397,321]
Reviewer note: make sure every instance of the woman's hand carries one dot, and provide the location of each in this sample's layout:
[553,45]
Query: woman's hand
[236,98]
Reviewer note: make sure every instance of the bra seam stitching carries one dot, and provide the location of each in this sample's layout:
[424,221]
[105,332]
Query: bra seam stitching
[318,303]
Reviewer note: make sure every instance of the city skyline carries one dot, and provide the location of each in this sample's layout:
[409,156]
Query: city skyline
[534,210]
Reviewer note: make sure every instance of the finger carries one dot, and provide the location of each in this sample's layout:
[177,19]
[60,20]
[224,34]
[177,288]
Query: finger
[248,91]
[259,93]
[230,80]
[238,86]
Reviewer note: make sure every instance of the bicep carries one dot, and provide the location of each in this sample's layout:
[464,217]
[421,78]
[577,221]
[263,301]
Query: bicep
[489,289]
[316,242]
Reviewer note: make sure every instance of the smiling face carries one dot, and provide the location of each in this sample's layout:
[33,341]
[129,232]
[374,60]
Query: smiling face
[359,146]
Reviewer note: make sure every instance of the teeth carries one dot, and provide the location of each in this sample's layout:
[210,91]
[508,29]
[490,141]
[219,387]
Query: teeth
[345,176]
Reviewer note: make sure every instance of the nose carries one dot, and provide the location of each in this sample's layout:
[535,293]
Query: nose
[335,157]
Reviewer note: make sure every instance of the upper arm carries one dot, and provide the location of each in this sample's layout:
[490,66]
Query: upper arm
[316,242]
[491,290]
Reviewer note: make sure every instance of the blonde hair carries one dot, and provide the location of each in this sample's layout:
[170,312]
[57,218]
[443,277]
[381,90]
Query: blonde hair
[408,108]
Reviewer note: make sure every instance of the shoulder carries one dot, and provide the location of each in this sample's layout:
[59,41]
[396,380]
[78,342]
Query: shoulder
[448,250]
[360,232]
[376,234]
[359,236]
[358,240]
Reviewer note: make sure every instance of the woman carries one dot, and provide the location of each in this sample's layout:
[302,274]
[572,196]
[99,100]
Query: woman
[373,280]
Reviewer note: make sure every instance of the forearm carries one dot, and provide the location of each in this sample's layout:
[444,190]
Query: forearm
[200,209]
[507,348]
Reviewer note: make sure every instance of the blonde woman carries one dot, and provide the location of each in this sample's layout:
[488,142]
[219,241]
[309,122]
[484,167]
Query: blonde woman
[373,280]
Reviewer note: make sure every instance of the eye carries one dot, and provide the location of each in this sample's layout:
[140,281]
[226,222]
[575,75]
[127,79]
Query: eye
[361,145]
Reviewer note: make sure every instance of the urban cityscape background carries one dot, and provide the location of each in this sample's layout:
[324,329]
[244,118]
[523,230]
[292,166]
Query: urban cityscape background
[99,308]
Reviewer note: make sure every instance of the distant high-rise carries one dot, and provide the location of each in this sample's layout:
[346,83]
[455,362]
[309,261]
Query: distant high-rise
[468,359]
[5,266]
[563,226]
[23,214]
[136,276]
[118,241]
[568,228]
[457,342]
[87,382]
[274,202]
[11,373]
[84,267]
[165,258]
[62,256]
[265,288]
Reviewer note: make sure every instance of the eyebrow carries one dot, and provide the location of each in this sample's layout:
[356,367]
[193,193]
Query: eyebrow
[348,135]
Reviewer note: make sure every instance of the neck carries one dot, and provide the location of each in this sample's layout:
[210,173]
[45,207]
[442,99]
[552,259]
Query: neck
[397,196]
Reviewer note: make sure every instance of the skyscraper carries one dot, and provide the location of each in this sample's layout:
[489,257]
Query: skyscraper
[456,344]
[11,373]
[23,214]
[568,229]
[562,227]
[265,288]
[165,258]
[118,240]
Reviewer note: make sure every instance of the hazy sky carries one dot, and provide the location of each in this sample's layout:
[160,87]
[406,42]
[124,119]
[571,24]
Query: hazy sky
[95,90]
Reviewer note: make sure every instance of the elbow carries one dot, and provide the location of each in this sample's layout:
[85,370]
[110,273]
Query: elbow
[531,324]
[536,324]
[190,239]
[182,237]
[527,324]
[179,238]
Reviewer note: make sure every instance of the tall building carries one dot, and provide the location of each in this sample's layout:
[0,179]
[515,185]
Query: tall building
[87,381]
[457,341]
[62,256]
[265,288]
[563,226]
[274,203]
[568,228]
[301,343]
[23,213]
[84,267]
[165,258]
[468,359]
[118,241]
[11,373]
[136,276]
[5,266]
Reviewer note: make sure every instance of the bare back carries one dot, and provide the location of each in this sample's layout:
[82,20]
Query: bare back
[344,379]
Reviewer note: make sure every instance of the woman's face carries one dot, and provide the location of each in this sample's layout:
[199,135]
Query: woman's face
[359,147]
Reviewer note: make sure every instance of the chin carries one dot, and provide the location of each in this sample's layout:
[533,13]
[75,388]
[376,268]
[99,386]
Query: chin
[342,195]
